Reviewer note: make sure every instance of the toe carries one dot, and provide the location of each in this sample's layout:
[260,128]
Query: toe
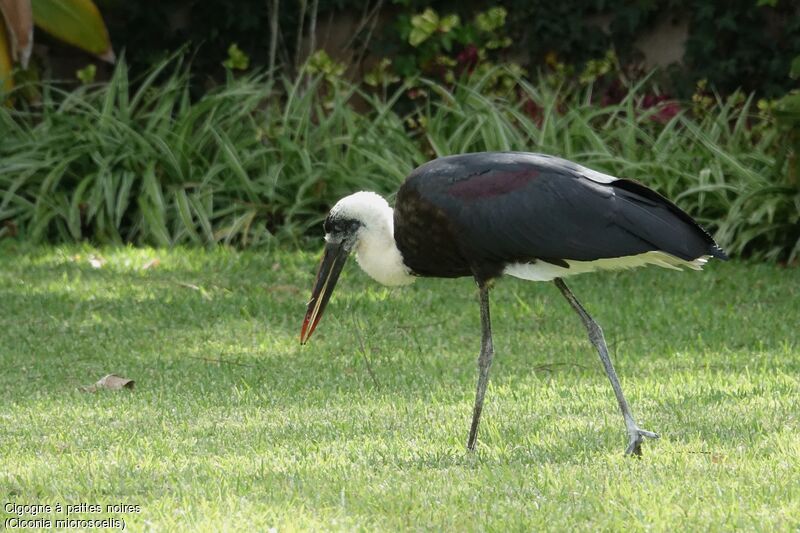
[649,434]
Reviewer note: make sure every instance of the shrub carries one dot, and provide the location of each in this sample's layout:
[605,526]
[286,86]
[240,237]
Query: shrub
[744,44]
[113,164]
[245,166]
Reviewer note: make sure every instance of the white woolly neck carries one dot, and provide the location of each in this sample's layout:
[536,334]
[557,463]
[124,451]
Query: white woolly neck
[376,251]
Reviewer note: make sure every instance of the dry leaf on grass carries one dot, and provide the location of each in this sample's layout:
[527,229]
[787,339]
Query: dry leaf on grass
[110,382]
[151,264]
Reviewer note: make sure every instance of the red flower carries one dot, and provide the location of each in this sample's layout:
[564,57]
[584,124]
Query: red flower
[468,58]
[666,108]
[666,111]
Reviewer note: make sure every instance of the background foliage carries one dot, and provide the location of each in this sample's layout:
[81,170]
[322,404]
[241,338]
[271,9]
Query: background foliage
[227,152]
[747,44]
[251,162]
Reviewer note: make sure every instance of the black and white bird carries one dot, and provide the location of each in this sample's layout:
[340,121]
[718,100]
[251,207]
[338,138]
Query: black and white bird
[531,216]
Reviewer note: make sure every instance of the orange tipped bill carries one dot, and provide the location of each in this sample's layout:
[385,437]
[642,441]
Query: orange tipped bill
[330,267]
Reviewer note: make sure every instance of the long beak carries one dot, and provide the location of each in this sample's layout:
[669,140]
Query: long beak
[330,267]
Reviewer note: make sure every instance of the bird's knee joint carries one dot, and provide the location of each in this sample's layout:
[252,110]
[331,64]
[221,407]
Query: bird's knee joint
[595,331]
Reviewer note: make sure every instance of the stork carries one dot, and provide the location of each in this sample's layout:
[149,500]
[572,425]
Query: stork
[531,216]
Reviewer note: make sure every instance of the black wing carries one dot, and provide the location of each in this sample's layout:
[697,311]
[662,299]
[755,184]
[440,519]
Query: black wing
[509,207]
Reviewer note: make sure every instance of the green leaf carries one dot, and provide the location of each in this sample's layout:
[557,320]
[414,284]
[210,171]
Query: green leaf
[794,70]
[491,20]
[448,23]
[77,22]
[788,107]
[86,74]
[237,60]
[423,26]
[185,214]
[321,63]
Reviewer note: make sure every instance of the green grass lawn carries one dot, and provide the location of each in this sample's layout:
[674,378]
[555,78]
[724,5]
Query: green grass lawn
[232,424]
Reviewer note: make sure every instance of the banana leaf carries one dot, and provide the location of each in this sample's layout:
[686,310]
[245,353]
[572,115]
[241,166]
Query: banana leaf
[77,22]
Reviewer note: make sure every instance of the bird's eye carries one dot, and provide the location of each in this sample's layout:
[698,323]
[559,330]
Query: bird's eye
[344,226]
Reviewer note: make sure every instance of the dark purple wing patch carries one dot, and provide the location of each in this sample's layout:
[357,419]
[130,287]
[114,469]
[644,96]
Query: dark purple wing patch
[501,207]
[492,183]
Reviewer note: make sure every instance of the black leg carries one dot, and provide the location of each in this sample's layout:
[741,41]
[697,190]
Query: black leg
[484,363]
[635,435]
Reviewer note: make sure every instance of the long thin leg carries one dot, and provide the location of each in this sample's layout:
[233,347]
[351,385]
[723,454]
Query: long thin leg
[484,363]
[635,435]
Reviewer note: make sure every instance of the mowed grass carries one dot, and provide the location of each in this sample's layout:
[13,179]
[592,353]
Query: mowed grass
[233,425]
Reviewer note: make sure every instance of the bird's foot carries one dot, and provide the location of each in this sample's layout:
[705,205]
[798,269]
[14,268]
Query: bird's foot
[635,438]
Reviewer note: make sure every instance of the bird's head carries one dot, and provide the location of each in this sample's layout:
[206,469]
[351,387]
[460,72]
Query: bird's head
[351,219]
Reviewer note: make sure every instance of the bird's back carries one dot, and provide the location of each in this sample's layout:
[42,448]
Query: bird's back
[475,214]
